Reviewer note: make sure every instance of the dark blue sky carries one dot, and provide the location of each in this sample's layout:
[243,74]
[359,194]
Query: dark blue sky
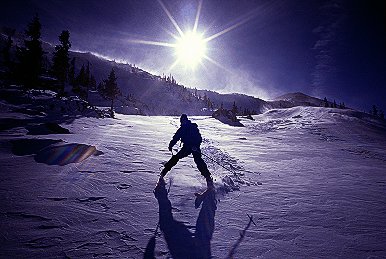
[332,48]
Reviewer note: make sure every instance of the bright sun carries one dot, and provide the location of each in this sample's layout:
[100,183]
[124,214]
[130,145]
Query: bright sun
[190,48]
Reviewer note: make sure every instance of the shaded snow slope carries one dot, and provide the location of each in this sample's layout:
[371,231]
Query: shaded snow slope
[312,178]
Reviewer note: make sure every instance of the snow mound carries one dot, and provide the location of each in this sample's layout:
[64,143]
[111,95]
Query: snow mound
[227,117]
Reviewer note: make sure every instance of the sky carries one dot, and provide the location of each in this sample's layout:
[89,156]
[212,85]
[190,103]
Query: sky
[334,49]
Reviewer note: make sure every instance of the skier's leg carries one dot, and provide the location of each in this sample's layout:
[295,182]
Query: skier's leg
[202,167]
[184,152]
[169,164]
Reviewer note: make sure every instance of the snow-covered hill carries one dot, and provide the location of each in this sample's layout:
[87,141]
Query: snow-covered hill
[300,99]
[312,178]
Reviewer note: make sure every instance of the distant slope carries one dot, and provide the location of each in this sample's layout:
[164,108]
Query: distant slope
[298,99]
[301,99]
[154,96]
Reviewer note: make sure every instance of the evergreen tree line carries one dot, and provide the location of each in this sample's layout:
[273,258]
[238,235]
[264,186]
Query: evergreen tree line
[374,110]
[239,111]
[205,99]
[328,104]
[28,69]
[169,79]
[377,113]
[243,112]
[184,93]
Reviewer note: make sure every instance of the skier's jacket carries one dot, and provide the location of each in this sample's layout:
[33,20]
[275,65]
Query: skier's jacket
[189,135]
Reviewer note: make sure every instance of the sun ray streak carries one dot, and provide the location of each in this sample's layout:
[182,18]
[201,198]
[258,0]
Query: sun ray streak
[197,16]
[174,64]
[203,65]
[155,43]
[248,17]
[171,34]
[217,64]
[171,18]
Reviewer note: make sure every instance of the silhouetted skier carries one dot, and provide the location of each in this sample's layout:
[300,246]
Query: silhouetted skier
[189,134]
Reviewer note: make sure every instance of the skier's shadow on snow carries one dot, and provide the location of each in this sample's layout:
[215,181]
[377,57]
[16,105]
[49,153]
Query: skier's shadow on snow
[181,242]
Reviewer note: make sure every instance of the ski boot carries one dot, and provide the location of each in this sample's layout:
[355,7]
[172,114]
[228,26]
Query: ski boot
[209,182]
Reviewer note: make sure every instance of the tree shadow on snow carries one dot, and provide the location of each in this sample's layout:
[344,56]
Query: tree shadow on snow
[181,242]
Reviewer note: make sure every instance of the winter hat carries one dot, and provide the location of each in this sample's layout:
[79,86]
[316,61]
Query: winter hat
[183,118]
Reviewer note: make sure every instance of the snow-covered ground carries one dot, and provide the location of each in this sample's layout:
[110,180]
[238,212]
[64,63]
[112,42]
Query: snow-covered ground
[314,180]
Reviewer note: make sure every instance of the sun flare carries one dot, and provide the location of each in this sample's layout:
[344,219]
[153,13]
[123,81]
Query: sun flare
[190,48]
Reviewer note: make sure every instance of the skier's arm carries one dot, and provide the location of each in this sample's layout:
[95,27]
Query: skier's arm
[176,137]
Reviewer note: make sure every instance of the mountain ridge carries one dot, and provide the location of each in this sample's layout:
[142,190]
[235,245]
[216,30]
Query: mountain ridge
[149,94]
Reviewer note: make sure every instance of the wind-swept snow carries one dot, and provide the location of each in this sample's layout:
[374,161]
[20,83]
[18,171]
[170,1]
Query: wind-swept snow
[312,178]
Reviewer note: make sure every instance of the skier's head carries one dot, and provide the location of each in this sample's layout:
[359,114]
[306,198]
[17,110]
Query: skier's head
[184,118]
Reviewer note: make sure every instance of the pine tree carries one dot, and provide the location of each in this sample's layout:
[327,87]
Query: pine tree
[71,72]
[61,59]
[334,105]
[101,89]
[93,85]
[381,115]
[87,76]
[374,110]
[111,90]
[325,102]
[234,109]
[7,48]
[209,103]
[31,55]
[80,87]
